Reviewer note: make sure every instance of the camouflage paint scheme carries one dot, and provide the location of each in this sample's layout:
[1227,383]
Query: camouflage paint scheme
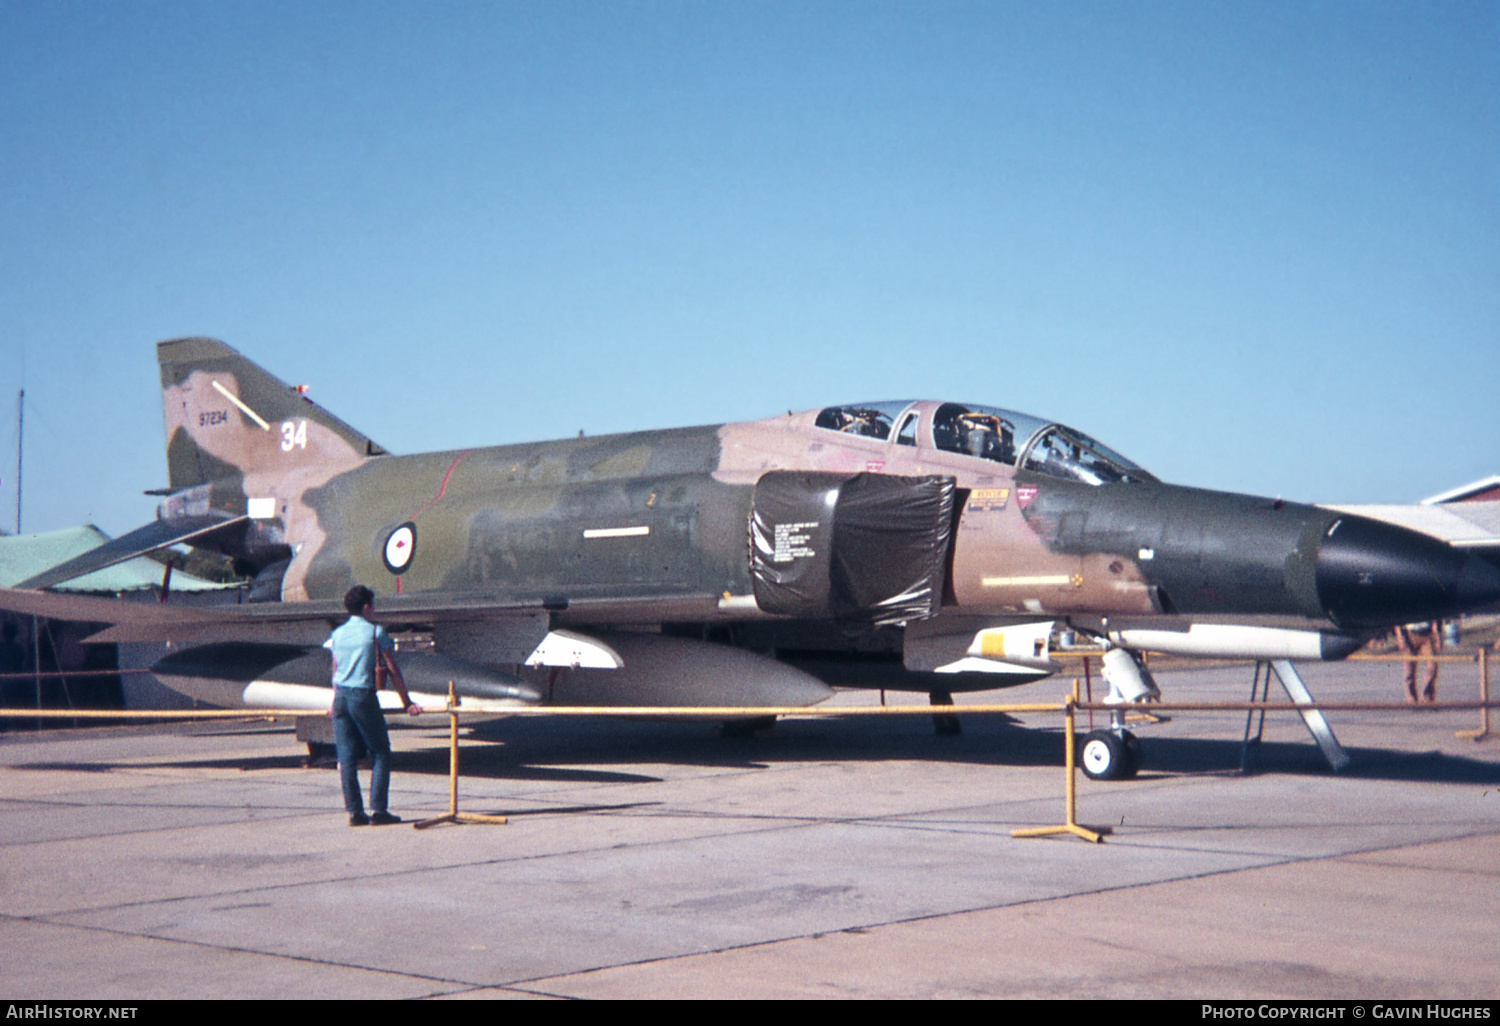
[650,527]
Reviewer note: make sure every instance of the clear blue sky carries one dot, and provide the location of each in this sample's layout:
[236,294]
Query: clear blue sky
[1253,246]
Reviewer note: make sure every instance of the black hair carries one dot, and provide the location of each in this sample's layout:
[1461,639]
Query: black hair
[357,598]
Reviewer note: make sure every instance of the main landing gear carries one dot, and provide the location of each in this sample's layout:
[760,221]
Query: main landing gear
[944,724]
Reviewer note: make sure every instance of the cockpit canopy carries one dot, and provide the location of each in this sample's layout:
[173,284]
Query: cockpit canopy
[1015,439]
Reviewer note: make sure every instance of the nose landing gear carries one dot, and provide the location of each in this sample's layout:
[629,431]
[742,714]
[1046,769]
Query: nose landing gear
[1109,754]
[1115,754]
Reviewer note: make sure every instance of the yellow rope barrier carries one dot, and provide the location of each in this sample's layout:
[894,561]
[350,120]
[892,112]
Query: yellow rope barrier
[1068,707]
[715,712]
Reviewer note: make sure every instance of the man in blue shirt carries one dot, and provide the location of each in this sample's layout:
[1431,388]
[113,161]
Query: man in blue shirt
[362,653]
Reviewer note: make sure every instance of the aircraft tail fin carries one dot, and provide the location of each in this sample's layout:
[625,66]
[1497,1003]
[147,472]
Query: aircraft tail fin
[227,418]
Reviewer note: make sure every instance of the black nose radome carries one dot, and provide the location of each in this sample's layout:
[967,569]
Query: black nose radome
[1372,574]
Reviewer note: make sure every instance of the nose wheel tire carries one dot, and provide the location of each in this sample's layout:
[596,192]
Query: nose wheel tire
[1105,755]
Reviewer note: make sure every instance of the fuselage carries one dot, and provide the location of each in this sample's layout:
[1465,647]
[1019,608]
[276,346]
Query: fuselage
[1046,522]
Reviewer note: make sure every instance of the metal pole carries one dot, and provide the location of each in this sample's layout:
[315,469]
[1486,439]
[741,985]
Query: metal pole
[36,665]
[1070,726]
[1088,684]
[452,751]
[20,449]
[1484,696]
[454,816]
[1070,741]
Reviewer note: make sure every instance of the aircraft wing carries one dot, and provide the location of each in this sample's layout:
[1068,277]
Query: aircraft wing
[298,622]
[158,534]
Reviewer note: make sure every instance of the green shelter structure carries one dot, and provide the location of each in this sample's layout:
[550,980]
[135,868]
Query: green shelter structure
[47,663]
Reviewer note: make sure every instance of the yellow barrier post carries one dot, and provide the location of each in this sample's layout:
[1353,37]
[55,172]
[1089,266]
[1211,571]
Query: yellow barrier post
[454,816]
[1069,743]
[1484,696]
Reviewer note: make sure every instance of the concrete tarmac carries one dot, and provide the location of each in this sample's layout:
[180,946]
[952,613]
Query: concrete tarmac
[852,857]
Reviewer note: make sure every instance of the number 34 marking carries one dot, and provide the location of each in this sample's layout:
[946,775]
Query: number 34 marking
[293,435]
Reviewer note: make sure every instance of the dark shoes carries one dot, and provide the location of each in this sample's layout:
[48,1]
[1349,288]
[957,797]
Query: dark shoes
[379,819]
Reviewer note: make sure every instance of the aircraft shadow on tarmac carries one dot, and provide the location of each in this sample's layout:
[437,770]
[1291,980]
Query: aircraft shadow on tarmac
[580,750]
[536,750]
[1178,755]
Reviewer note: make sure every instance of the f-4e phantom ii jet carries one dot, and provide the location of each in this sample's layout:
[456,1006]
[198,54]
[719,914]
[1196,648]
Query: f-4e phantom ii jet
[929,546]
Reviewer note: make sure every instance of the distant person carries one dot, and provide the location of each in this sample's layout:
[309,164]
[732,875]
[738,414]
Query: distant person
[361,653]
[1421,639]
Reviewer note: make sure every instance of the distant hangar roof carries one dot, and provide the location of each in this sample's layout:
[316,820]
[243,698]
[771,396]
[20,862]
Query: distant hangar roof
[1484,490]
[1464,524]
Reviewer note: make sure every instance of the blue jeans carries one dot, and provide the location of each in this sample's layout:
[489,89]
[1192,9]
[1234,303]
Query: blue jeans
[359,727]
